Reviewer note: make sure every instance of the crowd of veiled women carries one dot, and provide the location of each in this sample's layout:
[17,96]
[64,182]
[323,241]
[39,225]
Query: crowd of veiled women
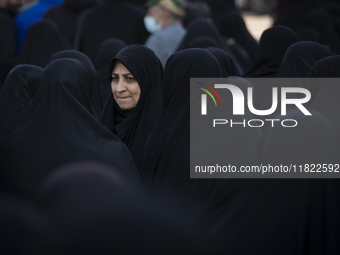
[84,170]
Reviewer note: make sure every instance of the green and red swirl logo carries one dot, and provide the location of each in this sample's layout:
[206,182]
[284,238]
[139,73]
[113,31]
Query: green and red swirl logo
[209,93]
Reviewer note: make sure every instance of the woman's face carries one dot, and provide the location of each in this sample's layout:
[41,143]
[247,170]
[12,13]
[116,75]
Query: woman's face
[125,88]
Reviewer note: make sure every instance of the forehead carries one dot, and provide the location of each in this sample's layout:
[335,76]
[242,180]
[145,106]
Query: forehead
[119,68]
[153,10]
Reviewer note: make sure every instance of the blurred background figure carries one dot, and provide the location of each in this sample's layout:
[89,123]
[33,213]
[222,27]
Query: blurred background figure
[111,19]
[163,21]
[7,40]
[197,9]
[31,15]
[10,7]
[65,16]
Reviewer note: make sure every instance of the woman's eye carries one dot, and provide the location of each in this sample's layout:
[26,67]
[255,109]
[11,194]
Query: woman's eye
[114,78]
[130,78]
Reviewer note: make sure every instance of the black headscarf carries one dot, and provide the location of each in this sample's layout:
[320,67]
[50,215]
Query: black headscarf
[58,128]
[203,42]
[232,25]
[42,40]
[324,87]
[97,102]
[17,94]
[101,190]
[22,225]
[107,50]
[321,21]
[328,67]
[303,213]
[133,126]
[201,27]
[99,24]
[197,28]
[272,46]
[225,60]
[98,210]
[165,162]
[65,16]
[301,57]
[308,34]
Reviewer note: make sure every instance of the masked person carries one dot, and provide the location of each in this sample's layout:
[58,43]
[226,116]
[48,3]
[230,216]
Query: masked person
[163,21]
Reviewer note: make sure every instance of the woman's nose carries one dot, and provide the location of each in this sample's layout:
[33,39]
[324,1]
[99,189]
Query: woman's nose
[121,86]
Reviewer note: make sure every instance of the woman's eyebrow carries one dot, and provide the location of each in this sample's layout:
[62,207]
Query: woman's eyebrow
[124,74]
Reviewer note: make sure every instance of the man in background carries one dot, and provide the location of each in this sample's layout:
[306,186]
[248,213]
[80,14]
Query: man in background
[163,21]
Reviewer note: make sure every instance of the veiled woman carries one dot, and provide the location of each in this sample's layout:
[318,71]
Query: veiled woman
[135,105]
[58,128]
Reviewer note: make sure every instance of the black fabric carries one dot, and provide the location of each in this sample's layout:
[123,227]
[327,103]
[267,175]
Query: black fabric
[272,46]
[321,21]
[292,15]
[201,27]
[58,128]
[7,46]
[308,34]
[327,67]
[42,40]
[225,60]
[97,101]
[324,88]
[232,25]
[17,94]
[333,8]
[65,16]
[219,8]
[107,50]
[99,211]
[301,57]
[101,190]
[135,125]
[316,200]
[203,42]
[164,165]
[22,225]
[300,212]
[117,19]
[79,5]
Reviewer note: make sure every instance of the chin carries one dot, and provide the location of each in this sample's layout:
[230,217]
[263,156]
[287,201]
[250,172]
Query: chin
[125,107]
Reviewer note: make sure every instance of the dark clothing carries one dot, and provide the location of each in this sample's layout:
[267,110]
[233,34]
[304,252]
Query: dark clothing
[7,45]
[97,103]
[18,91]
[42,40]
[202,28]
[24,20]
[111,19]
[226,62]
[232,26]
[272,47]
[58,128]
[65,16]
[107,50]
[300,59]
[165,162]
[133,126]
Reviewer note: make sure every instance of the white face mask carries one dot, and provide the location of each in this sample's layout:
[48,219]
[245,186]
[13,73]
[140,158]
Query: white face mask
[151,25]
